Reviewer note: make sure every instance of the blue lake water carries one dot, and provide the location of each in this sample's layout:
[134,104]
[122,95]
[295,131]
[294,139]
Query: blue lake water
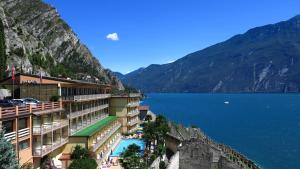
[264,127]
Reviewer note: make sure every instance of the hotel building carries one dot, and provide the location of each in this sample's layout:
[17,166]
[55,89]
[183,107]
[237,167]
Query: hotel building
[53,129]
[125,108]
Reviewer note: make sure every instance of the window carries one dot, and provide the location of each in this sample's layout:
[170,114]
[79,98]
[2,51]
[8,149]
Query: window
[24,144]
[22,123]
[8,126]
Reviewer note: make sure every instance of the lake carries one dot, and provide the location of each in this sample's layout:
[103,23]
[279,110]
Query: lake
[264,127]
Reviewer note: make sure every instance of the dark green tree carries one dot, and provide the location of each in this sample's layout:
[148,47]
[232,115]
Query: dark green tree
[3,56]
[82,159]
[8,158]
[83,164]
[131,158]
[80,153]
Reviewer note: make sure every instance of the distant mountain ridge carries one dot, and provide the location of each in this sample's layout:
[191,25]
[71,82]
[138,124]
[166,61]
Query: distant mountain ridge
[264,59]
[38,40]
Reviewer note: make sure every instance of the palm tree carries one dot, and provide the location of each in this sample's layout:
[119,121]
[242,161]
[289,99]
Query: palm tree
[131,158]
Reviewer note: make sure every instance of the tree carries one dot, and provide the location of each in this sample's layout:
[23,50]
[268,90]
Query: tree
[80,153]
[82,159]
[8,158]
[131,158]
[83,164]
[148,118]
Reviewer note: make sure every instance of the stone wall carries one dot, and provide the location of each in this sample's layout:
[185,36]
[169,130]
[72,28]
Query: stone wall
[195,155]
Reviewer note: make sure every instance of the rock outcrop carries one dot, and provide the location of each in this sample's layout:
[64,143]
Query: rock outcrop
[38,40]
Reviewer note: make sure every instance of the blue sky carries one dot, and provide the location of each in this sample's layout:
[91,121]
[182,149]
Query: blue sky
[161,31]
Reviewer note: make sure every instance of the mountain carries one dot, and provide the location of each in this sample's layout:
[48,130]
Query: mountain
[118,75]
[264,59]
[35,39]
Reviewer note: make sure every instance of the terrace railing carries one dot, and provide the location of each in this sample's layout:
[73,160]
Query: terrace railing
[46,149]
[9,112]
[21,133]
[134,94]
[46,128]
[79,126]
[133,104]
[86,97]
[106,136]
[133,113]
[87,111]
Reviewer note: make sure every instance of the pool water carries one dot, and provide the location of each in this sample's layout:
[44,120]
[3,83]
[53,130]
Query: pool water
[124,143]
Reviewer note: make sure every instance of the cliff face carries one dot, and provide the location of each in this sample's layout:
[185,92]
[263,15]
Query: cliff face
[264,59]
[37,39]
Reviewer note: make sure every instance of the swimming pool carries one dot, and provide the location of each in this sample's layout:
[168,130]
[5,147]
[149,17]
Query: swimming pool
[124,143]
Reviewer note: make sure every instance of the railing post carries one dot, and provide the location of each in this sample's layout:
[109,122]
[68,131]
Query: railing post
[43,106]
[30,108]
[17,130]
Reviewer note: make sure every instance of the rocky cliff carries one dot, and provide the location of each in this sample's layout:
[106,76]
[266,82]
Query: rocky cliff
[38,40]
[264,59]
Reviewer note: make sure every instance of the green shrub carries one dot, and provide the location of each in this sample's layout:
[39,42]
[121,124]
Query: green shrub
[162,165]
[54,98]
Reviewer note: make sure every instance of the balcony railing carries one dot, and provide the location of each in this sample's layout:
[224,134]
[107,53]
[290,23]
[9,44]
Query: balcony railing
[8,112]
[87,111]
[46,106]
[133,104]
[46,149]
[12,135]
[106,136]
[133,113]
[80,126]
[134,94]
[133,122]
[86,97]
[46,128]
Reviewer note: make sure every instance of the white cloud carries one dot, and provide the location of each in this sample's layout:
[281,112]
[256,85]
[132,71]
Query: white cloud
[112,36]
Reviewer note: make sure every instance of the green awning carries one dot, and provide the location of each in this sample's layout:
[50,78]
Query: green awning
[91,130]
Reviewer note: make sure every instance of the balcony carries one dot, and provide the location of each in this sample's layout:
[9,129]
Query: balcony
[87,111]
[133,113]
[46,149]
[8,112]
[12,135]
[134,94]
[80,126]
[86,97]
[111,131]
[133,104]
[133,129]
[47,107]
[133,122]
[46,128]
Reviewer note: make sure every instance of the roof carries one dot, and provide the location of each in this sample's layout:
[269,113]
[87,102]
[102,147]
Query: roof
[144,108]
[91,130]
[56,79]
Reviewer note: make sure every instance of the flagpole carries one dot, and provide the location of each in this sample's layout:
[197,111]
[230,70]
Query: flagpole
[13,80]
